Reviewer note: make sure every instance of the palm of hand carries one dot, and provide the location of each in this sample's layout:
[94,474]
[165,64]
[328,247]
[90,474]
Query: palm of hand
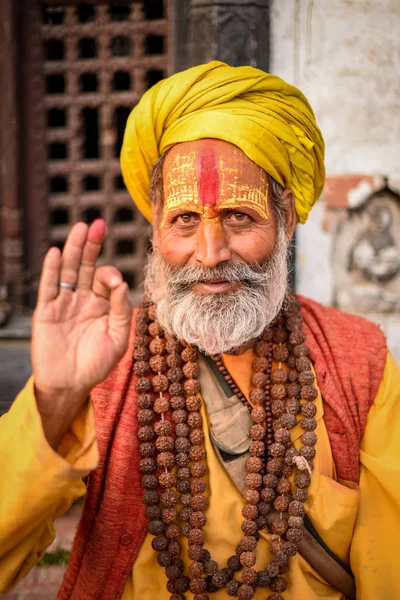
[78,336]
[79,346]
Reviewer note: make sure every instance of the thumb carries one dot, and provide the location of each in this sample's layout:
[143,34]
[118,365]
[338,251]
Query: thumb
[120,314]
[106,278]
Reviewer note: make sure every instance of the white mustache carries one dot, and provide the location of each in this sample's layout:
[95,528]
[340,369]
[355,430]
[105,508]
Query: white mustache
[231,272]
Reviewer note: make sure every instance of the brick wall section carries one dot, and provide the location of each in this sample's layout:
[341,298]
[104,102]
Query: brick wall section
[350,191]
[42,583]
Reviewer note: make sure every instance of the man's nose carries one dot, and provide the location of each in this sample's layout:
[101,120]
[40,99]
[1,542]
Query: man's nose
[212,247]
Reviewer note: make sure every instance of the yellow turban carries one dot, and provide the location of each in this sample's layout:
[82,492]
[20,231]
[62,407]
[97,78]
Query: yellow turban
[268,119]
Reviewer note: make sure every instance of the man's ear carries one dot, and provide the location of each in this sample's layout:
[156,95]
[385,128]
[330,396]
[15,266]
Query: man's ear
[156,212]
[154,233]
[290,212]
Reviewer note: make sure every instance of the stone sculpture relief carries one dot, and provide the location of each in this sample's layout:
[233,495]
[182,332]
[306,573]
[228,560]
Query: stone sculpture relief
[233,31]
[366,256]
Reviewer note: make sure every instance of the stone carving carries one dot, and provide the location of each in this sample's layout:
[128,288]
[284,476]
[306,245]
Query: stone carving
[367,256]
[201,43]
[237,36]
[235,32]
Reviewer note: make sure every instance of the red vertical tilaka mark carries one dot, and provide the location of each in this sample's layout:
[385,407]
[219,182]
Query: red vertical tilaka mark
[209,178]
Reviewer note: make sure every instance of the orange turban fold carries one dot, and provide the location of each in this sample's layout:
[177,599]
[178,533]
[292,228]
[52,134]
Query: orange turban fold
[268,119]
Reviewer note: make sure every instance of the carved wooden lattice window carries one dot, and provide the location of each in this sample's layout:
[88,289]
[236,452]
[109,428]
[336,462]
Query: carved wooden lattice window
[97,61]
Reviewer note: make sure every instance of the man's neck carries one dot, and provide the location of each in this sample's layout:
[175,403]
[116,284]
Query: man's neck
[241,349]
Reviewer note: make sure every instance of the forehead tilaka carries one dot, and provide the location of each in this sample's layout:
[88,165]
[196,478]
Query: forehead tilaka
[213,173]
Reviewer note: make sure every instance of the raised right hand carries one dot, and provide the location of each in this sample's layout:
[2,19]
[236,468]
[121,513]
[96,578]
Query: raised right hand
[78,335]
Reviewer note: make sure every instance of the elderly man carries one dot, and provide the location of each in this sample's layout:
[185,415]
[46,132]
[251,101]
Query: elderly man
[245,442]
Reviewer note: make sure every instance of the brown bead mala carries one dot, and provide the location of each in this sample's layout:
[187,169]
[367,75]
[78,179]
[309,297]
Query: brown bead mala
[173,462]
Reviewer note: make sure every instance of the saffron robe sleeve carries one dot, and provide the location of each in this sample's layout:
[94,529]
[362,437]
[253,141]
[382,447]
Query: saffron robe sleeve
[374,555]
[37,484]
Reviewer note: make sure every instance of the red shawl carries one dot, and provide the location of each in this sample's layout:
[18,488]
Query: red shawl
[349,355]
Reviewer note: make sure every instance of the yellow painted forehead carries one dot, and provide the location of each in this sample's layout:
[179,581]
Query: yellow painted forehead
[213,173]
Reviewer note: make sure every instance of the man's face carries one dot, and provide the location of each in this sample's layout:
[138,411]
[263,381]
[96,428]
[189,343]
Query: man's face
[218,273]
[215,210]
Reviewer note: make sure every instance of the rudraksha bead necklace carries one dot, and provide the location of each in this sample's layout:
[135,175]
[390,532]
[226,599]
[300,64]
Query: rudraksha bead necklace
[173,462]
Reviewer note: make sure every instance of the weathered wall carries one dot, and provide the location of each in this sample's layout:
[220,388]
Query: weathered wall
[345,56]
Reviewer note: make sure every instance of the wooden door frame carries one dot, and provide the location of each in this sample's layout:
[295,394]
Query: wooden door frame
[11,242]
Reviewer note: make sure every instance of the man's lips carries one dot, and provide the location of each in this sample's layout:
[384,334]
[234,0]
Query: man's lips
[215,287]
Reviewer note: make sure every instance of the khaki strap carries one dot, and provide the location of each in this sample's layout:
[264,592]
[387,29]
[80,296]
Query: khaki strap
[322,562]
[229,432]
[230,424]
[327,566]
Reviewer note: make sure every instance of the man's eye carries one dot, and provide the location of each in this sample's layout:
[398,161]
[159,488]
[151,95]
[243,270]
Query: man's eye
[239,217]
[186,218]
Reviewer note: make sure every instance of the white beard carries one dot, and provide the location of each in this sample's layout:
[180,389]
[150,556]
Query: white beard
[218,323]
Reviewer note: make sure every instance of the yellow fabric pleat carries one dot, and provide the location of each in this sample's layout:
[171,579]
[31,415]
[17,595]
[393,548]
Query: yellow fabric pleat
[268,119]
[37,484]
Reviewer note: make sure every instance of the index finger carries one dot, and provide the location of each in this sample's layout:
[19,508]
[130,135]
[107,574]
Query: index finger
[49,279]
[91,251]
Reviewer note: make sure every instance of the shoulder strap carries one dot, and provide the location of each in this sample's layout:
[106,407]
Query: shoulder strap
[230,422]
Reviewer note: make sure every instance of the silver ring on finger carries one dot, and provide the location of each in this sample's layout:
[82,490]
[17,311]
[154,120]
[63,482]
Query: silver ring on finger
[66,286]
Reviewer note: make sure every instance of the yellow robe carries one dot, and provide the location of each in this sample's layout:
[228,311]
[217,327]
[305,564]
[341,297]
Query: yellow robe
[359,524]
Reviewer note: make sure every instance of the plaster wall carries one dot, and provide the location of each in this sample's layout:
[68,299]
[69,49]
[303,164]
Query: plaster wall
[345,56]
